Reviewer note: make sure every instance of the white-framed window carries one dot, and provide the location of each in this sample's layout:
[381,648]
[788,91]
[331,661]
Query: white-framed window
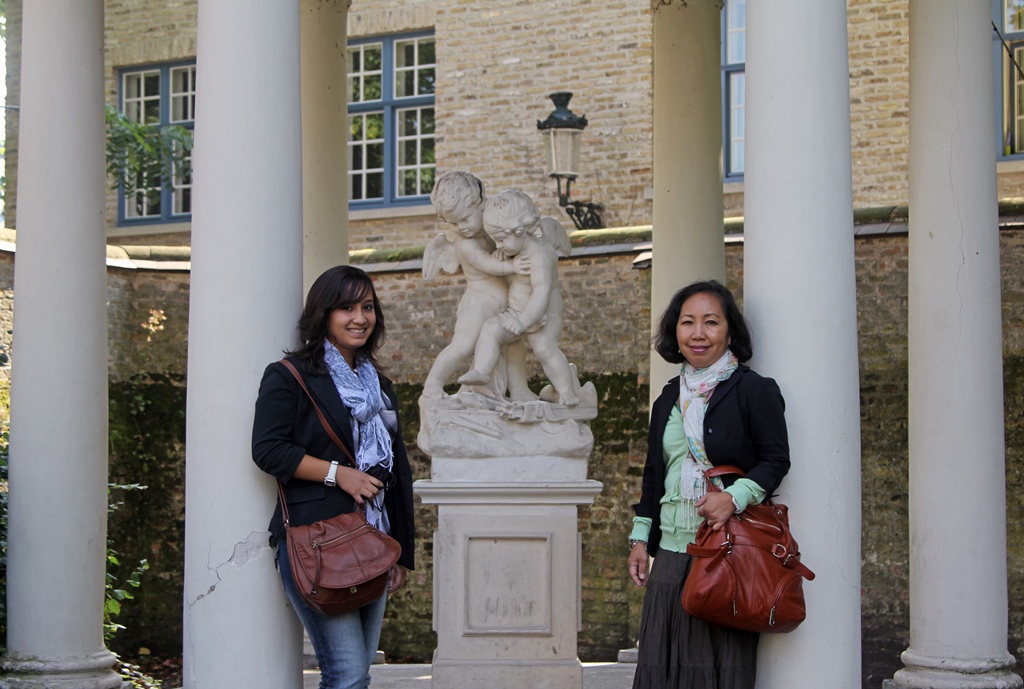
[159,95]
[391,158]
[734,81]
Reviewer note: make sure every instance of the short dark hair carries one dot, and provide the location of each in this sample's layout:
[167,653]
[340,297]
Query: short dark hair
[665,342]
[337,287]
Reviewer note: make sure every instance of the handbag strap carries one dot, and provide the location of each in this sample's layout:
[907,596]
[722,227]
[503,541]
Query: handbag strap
[327,427]
[716,554]
[323,419]
[723,470]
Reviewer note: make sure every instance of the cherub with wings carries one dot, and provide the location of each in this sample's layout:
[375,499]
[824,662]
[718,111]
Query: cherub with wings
[534,310]
[459,200]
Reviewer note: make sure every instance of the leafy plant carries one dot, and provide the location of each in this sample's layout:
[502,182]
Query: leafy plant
[135,677]
[143,156]
[4,439]
[118,592]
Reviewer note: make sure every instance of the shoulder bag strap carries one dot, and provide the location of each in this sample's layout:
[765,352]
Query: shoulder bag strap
[327,427]
[725,470]
[323,419]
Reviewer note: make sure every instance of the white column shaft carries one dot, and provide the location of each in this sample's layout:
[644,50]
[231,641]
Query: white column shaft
[958,596]
[55,566]
[245,301]
[688,229]
[324,27]
[800,297]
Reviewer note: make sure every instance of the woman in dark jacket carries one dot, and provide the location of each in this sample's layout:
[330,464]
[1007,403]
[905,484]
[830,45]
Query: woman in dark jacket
[716,412]
[341,330]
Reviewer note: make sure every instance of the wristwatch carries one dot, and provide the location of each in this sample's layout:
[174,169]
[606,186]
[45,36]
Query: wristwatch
[634,541]
[329,480]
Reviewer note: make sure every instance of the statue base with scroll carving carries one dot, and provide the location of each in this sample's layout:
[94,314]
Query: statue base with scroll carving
[507,478]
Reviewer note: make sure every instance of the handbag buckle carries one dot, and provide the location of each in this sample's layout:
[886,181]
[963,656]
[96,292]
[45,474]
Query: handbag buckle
[779,551]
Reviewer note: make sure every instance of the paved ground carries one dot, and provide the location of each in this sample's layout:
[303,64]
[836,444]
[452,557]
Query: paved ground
[595,676]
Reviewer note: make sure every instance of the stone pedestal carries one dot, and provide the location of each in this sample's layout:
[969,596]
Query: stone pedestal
[507,563]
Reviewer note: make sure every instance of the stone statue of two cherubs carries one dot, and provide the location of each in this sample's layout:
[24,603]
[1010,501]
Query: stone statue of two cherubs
[507,253]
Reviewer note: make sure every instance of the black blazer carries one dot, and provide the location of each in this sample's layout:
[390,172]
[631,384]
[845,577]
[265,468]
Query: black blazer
[286,428]
[745,425]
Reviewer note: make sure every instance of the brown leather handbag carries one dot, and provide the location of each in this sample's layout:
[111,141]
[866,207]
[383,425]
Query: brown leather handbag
[342,563]
[747,575]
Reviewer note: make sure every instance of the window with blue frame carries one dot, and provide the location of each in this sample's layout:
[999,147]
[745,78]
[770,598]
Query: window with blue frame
[159,95]
[1008,56]
[734,78]
[391,120]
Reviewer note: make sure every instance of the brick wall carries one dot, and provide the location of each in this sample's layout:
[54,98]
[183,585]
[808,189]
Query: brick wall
[879,100]
[13,118]
[498,61]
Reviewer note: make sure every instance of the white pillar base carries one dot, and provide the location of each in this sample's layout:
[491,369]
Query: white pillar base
[507,561]
[923,672]
[92,672]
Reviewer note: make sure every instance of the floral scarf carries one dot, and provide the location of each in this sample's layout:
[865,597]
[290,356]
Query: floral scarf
[695,388]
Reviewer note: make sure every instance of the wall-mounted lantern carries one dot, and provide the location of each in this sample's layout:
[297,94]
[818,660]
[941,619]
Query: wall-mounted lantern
[562,132]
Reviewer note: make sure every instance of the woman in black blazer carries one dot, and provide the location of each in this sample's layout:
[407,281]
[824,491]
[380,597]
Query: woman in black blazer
[717,411]
[341,330]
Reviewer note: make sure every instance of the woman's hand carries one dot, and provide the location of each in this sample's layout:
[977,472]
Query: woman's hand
[638,564]
[361,486]
[396,579]
[716,508]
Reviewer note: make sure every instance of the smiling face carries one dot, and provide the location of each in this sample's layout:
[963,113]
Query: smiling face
[702,330]
[350,327]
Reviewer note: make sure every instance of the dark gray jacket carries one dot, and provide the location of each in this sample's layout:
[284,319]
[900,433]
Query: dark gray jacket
[286,428]
[745,425]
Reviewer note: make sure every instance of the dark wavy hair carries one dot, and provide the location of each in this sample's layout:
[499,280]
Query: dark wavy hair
[665,342]
[335,288]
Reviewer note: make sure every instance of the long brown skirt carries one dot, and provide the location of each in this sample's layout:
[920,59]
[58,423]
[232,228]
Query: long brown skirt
[681,652]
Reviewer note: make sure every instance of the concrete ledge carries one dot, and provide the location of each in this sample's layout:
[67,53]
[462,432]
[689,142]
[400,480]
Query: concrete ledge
[867,222]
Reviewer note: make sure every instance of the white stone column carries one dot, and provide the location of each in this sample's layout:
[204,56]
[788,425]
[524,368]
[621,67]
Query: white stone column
[324,28]
[688,207]
[245,301]
[800,298]
[58,455]
[958,594]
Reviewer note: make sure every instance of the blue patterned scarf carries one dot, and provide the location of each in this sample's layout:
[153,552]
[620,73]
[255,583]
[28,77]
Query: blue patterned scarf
[360,392]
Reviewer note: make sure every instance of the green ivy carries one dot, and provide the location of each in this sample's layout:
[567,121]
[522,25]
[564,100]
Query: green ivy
[141,154]
[116,592]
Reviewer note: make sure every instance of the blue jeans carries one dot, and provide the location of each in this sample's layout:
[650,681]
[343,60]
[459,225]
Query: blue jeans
[345,644]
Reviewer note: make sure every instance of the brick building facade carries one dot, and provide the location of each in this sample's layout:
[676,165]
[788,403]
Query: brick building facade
[496,64]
